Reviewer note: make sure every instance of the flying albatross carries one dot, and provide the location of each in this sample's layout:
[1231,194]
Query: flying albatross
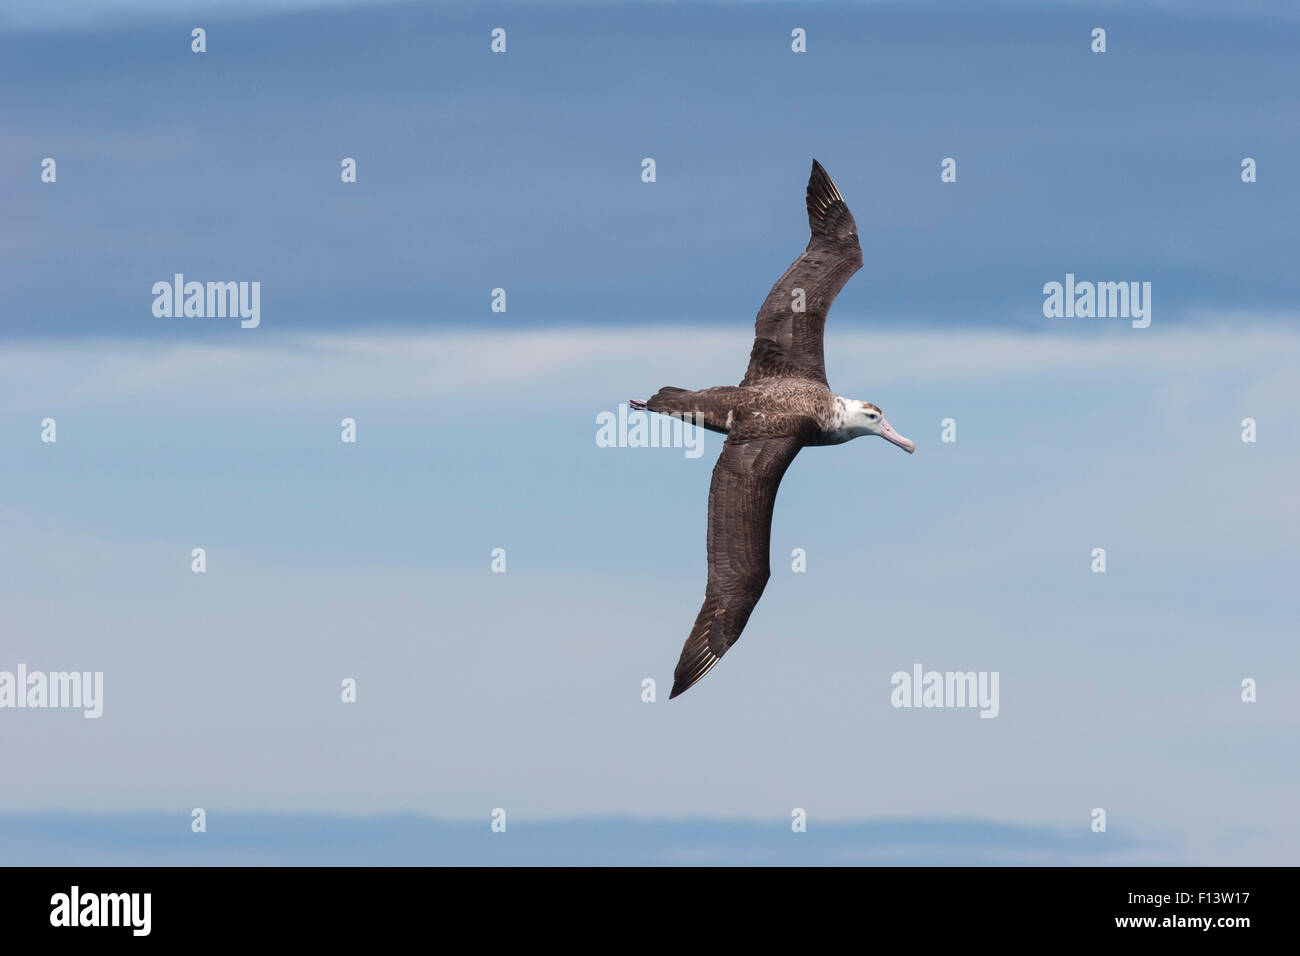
[782,404]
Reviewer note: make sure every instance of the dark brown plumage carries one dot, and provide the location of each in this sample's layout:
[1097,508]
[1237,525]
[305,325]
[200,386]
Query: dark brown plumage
[789,343]
[783,404]
[741,498]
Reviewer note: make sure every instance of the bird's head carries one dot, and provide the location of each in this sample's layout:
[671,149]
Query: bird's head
[863,418]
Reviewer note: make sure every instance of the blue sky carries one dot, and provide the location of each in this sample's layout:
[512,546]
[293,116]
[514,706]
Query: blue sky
[476,430]
[522,170]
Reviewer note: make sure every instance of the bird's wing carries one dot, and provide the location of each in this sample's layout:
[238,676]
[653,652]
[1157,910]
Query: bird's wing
[741,497]
[788,342]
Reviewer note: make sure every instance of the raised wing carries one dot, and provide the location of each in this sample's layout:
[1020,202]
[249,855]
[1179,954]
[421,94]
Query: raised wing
[787,342]
[741,498]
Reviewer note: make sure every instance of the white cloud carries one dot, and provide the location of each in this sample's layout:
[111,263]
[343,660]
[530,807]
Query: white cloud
[585,365]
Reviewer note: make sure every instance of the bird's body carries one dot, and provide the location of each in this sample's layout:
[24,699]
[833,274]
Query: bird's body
[782,405]
[778,406]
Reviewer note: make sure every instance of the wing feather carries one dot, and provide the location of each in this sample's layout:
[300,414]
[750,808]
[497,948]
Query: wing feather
[788,343]
[741,498]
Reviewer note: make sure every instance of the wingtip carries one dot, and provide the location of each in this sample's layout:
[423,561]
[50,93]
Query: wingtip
[692,668]
[684,682]
[822,195]
[682,686]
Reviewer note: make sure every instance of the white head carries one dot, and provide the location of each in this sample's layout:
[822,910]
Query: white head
[863,418]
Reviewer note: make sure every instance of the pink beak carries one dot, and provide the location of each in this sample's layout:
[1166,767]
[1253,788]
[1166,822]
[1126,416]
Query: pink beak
[888,434]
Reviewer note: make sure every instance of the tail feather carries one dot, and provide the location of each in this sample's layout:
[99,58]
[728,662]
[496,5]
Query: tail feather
[664,399]
[709,407]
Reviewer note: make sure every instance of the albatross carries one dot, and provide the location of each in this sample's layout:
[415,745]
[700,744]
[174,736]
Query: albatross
[783,404]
